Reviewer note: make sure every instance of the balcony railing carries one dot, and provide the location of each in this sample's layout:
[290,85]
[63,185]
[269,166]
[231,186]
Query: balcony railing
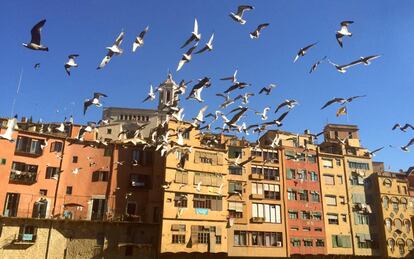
[257,220]
[256,176]
[22,177]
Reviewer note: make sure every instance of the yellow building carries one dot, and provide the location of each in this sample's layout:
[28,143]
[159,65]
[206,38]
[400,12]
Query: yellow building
[395,214]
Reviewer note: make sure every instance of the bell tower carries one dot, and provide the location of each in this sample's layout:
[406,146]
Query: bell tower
[167,95]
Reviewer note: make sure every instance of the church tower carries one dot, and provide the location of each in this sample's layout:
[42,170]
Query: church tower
[167,95]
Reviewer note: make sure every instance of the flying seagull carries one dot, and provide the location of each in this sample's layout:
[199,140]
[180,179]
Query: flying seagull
[151,95]
[231,78]
[237,85]
[34,43]
[195,36]
[405,148]
[341,100]
[267,89]
[245,97]
[403,128]
[93,101]
[8,135]
[186,57]
[343,32]
[315,65]
[372,153]
[263,114]
[36,66]
[303,51]
[238,17]
[361,60]
[256,33]
[71,63]
[208,46]
[278,121]
[289,103]
[227,100]
[197,88]
[113,50]
[139,40]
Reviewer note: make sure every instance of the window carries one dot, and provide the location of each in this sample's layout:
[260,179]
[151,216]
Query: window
[361,219]
[181,177]
[293,214]
[358,165]
[315,196]
[303,195]
[240,238]
[342,199]
[108,151]
[340,179]
[100,176]
[235,152]
[398,224]
[256,153]
[343,216]
[206,160]
[407,224]
[139,181]
[365,241]
[207,202]
[3,161]
[235,209]
[341,241]
[312,159]
[387,183]
[271,174]
[257,188]
[52,172]
[136,155]
[385,202]
[291,194]
[403,202]
[29,145]
[208,179]
[394,203]
[330,200]
[329,179]
[186,135]
[327,163]
[388,224]
[313,176]
[405,189]
[338,161]
[11,204]
[333,219]
[74,159]
[68,190]
[180,200]
[318,229]
[256,170]
[270,212]
[236,170]
[108,131]
[357,179]
[306,229]
[301,174]
[307,242]
[295,242]
[178,238]
[398,189]
[271,191]
[317,216]
[294,228]
[320,243]
[271,156]
[23,173]
[256,238]
[27,233]
[305,215]
[235,187]
[290,173]
[43,192]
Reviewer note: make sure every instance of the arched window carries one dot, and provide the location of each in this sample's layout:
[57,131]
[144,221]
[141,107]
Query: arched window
[385,201]
[404,203]
[398,224]
[407,224]
[401,246]
[387,183]
[388,224]
[410,244]
[391,244]
[394,202]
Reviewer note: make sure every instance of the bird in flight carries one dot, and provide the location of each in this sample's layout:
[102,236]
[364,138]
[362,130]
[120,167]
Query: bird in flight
[34,43]
[289,103]
[405,148]
[303,51]
[208,46]
[232,78]
[267,89]
[342,101]
[94,101]
[238,17]
[186,57]
[139,40]
[195,36]
[315,65]
[8,135]
[361,60]
[256,33]
[403,128]
[343,32]
[151,95]
[113,50]
[71,63]
[36,66]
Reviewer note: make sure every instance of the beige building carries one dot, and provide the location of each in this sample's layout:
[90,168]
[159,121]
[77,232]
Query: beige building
[395,208]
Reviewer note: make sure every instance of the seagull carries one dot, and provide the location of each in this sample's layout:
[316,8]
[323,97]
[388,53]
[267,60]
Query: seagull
[343,32]
[232,122]
[237,85]
[139,40]
[93,101]
[362,60]
[275,142]
[44,144]
[34,43]
[195,36]
[200,116]
[166,185]
[342,101]
[227,100]
[198,188]
[11,125]
[245,97]
[303,51]
[289,103]
[151,95]
[231,78]
[256,33]
[238,17]
[267,89]
[36,66]
[314,66]
[278,121]
[404,128]
[61,128]
[264,113]
[71,63]
[76,170]
[197,88]
[405,148]
[372,153]
[208,46]
[186,57]
[113,50]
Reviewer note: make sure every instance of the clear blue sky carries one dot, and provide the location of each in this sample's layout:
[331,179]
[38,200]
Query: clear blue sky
[87,27]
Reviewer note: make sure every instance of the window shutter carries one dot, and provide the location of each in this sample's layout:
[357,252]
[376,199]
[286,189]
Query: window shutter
[185,177]
[178,176]
[194,234]
[231,187]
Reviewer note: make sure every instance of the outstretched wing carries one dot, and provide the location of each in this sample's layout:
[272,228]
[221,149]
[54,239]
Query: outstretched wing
[36,32]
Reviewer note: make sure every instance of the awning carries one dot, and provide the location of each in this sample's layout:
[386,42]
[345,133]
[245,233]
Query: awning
[73,205]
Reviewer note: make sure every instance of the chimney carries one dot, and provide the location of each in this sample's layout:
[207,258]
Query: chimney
[23,120]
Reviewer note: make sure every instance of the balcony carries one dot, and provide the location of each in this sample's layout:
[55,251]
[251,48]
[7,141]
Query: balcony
[257,220]
[256,196]
[22,177]
[256,176]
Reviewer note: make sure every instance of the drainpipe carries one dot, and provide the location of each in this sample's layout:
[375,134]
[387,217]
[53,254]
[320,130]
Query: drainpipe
[55,201]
